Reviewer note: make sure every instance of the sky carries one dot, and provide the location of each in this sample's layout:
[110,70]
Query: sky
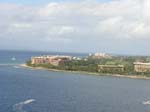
[110,26]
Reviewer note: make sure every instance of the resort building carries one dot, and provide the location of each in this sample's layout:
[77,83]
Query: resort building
[53,60]
[141,67]
[110,68]
[99,55]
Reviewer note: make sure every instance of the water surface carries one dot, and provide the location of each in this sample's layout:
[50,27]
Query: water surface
[28,90]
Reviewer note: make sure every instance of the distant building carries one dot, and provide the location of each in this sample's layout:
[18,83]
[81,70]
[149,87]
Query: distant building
[99,55]
[53,60]
[110,68]
[141,67]
[37,60]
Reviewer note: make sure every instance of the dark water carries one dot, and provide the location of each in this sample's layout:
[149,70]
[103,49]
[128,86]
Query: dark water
[27,90]
[22,56]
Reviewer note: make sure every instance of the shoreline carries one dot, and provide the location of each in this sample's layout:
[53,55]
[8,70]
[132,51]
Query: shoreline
[87,73]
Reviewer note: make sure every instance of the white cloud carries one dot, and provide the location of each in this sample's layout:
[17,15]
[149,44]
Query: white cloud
[146,9]
[66,29]
[21,25]
[77,21]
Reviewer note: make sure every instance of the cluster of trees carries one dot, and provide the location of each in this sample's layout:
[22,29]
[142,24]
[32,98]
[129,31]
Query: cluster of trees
[74,65]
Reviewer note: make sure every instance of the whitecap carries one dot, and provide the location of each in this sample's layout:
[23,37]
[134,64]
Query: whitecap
[16,67]
[146,103]
[19,106]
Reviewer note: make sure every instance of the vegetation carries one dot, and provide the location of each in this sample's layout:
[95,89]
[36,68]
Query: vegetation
[91,65]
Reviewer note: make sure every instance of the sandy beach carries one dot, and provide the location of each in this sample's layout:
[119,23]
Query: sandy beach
[87,73]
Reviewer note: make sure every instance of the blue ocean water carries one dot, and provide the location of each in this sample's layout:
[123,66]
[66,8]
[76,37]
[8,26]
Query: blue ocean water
[6,57]
[29,90]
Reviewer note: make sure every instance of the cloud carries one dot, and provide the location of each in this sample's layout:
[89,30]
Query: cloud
[21,25]
[61,30]
[75,23]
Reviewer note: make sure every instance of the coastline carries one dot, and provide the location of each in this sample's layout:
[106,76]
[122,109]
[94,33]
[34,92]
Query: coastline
[88,73]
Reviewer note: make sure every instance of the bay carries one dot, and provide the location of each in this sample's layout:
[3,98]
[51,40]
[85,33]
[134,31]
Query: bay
[29,90]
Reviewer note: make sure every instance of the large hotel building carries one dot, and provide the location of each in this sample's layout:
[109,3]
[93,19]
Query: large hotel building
[53,60]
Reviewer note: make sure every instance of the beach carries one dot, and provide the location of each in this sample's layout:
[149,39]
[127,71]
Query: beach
[87,73]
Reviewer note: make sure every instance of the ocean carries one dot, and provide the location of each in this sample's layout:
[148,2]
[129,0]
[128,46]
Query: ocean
[29,90]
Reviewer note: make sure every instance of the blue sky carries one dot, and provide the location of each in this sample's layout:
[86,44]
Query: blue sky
[111,26]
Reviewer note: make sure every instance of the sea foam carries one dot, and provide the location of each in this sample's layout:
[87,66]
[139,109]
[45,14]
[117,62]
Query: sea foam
[146,103]
[16,66]
[19,106]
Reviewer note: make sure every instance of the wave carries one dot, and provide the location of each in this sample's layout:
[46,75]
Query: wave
[1,64]
[146,103]
[16,66]
[19,106]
